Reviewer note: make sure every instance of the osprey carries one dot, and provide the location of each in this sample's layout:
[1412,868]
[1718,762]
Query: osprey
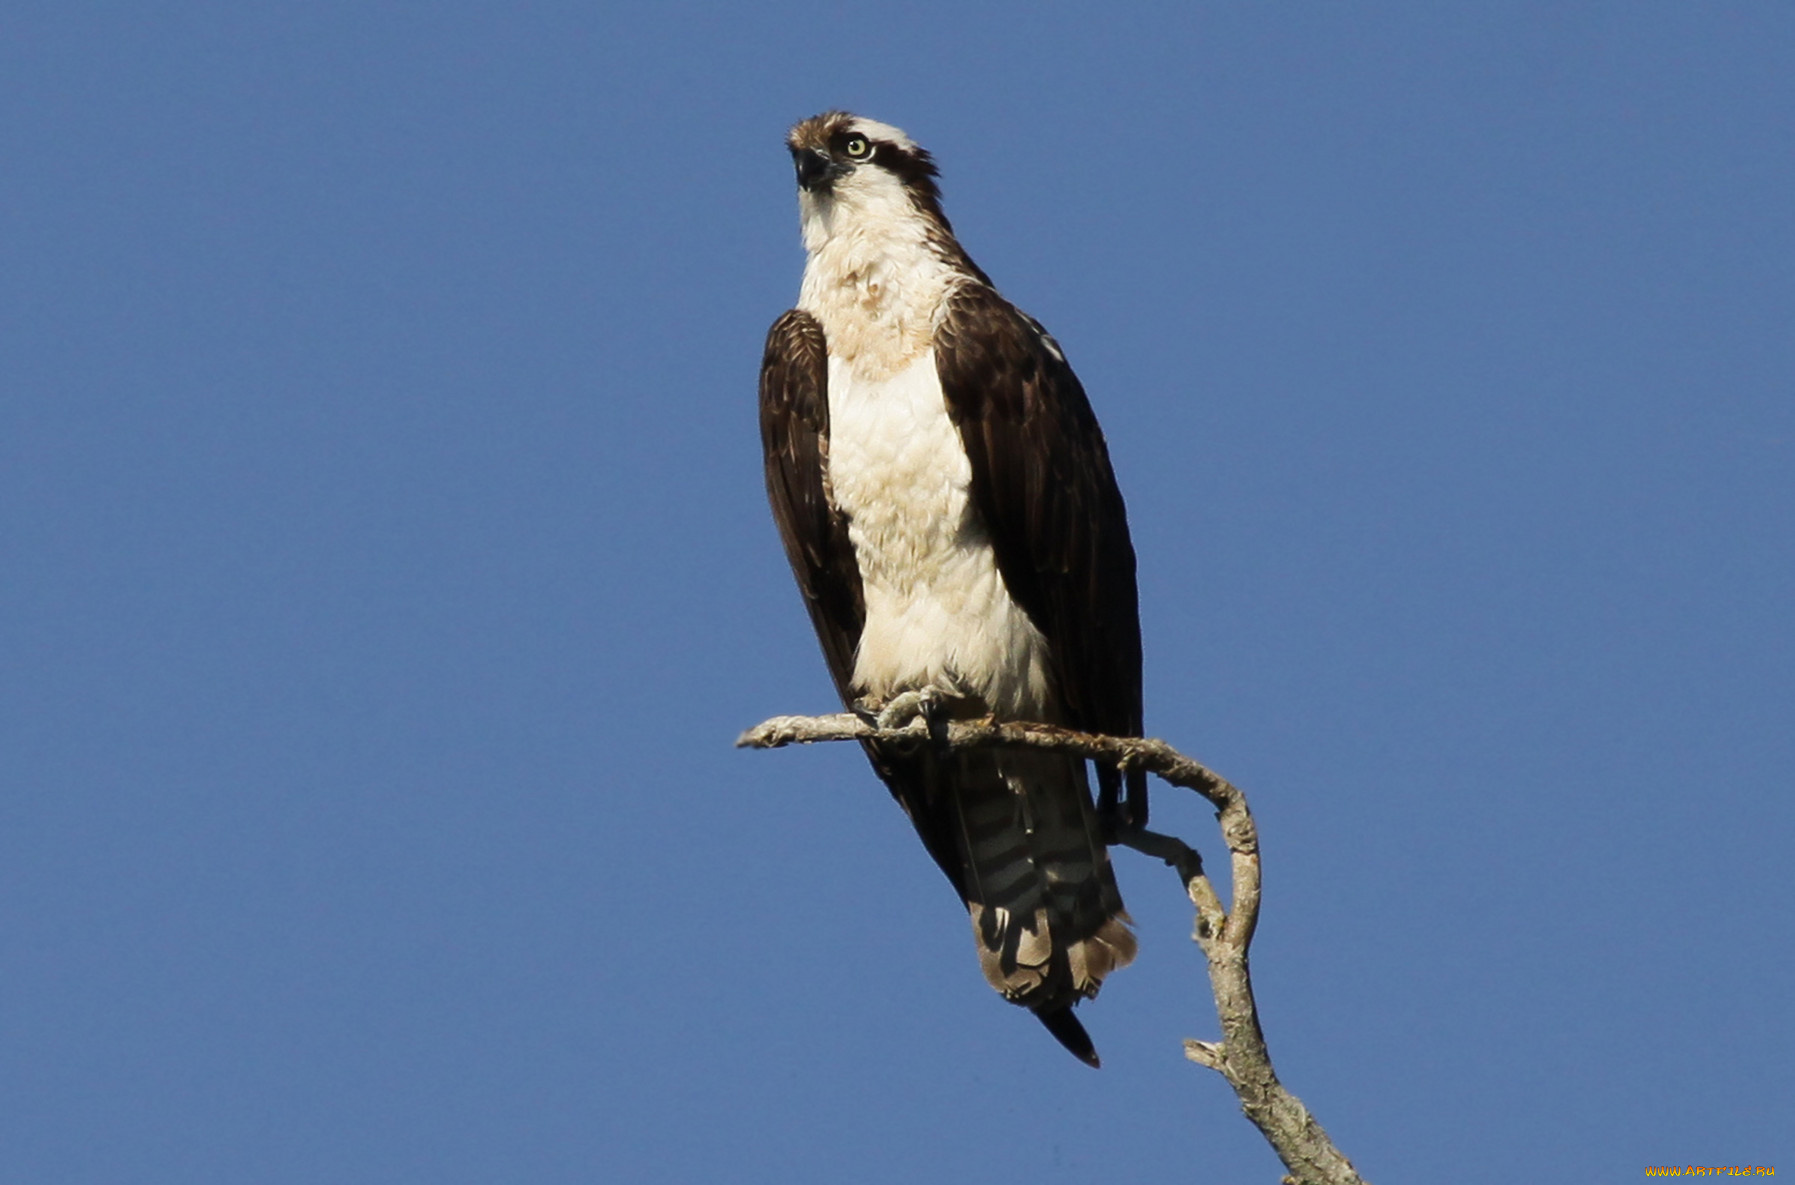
[946,501]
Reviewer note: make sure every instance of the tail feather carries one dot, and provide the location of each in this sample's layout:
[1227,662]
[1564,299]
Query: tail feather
[1044,906]
[1016,834]
[1068,1032]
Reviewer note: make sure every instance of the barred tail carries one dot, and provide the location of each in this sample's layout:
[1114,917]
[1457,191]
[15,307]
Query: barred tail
[1045,909]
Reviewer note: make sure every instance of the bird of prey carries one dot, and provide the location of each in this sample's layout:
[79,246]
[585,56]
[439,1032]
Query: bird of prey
[946,500]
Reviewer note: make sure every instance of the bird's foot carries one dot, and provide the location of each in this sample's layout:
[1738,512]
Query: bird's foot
[925,704]
[919,710]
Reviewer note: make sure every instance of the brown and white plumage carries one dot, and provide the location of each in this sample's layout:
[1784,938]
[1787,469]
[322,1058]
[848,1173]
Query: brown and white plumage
[946,501]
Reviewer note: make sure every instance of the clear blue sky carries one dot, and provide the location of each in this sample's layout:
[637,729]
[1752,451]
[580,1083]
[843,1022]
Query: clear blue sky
[385,571]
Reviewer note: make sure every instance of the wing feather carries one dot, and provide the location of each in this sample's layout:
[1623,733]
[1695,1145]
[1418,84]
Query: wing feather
[794,432]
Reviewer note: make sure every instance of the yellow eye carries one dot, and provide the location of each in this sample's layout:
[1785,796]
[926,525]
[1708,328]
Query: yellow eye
[858,148]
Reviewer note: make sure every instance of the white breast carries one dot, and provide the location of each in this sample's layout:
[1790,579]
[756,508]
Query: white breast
[937,611]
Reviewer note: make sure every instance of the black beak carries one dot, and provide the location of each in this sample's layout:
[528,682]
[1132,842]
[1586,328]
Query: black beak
[815,169]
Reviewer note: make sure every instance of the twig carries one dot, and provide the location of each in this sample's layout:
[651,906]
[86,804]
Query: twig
[1224,935]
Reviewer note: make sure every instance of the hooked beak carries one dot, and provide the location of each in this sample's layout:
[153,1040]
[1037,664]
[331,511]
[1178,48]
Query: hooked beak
[815,169]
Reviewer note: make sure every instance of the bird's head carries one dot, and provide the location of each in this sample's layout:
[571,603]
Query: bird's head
[866,185]
[848,158]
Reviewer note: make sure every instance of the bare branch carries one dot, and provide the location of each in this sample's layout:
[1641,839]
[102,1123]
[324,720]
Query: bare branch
[1223,934]
[1204,1053]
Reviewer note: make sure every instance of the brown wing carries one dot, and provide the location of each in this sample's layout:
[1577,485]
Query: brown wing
[794,433]
[1042,481]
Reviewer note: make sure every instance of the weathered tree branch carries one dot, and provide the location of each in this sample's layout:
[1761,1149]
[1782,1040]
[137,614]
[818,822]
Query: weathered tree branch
[1224,935]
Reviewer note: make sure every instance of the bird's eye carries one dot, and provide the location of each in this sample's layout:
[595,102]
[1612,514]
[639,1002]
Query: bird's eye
[858,148]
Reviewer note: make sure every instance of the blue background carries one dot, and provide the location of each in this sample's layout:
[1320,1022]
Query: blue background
[385,572]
